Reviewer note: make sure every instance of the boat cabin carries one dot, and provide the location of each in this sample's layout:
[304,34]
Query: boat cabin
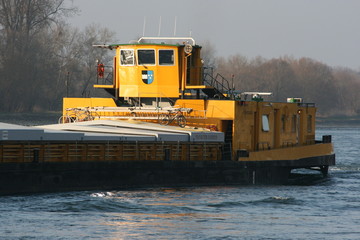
[148,70]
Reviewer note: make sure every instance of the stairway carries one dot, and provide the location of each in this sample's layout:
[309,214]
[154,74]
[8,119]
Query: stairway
[220,87]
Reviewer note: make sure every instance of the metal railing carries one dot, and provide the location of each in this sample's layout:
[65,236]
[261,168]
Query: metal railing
[221,85]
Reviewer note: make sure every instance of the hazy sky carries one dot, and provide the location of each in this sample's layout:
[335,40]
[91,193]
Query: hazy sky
[325,30]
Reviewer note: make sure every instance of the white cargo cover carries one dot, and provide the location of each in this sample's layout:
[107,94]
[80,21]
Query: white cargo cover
[108,130]
[161,133]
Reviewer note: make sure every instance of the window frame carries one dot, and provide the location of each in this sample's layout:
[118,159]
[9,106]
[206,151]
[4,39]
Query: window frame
[265,123]
[173,60]
[146,64]
[133,62]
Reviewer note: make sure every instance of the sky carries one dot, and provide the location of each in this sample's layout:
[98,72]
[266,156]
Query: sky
[325,30]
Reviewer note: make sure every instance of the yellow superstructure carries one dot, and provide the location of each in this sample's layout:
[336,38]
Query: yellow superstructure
[153,70]
[153,79]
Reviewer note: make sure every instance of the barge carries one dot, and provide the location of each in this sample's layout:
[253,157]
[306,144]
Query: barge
[166,122]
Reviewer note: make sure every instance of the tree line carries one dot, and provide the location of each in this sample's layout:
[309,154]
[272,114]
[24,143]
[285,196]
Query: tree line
[334,90]
[43,59]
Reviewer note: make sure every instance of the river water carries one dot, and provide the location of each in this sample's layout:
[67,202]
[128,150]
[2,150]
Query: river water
[308,208]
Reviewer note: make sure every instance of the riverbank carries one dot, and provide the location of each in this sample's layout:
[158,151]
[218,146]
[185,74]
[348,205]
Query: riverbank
[30,119]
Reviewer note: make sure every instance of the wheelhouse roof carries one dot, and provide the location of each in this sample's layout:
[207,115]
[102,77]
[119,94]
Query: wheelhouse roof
[162,43]
[150,44]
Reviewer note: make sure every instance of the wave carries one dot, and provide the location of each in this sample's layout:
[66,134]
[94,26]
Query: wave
[347,168]
[277,200]
[102,194]
[269,200]
[226,204]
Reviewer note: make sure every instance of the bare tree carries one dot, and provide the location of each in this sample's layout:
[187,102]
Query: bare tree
[88,55]
[316,83]
[22,20]
[347,84]
[25,27]
[285,77]
[208,54]
[277,76]
[76,61]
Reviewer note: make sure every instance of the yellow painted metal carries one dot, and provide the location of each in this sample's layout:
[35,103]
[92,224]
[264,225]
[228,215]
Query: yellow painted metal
[195,104]
[102,86]
[288,124]
[290,153]
[87,102]
[286,121]
[169,80]
[165,77]
[198,87]
[220,109]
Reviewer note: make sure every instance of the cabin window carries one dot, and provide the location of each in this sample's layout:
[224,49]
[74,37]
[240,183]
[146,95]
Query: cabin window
[294,123]
[265,123]
[146,57]
[166,57]
[309,124]
[127,57]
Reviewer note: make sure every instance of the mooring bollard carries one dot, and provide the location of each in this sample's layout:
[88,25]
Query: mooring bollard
[326,138]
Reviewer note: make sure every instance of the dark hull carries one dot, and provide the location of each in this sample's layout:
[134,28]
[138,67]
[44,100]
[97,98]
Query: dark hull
[20,178]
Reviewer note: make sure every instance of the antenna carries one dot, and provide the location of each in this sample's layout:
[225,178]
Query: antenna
[159,27]
[175,26]
[144,26]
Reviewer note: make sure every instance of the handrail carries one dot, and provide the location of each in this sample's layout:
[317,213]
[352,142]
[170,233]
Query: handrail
[220,83]
[167,38]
